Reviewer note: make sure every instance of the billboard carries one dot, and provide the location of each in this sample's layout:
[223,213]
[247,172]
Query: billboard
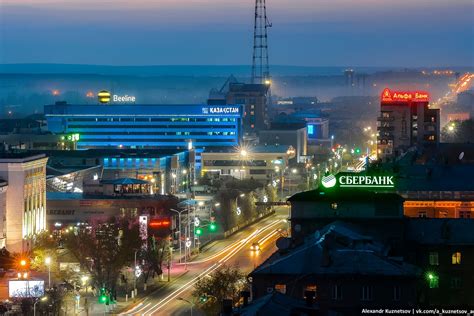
[25,288]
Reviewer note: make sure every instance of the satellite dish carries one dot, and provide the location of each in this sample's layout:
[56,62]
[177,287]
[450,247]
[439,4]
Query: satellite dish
[461,155]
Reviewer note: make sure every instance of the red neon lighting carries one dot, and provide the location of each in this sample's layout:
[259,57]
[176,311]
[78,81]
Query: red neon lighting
[389,96]
[161,223]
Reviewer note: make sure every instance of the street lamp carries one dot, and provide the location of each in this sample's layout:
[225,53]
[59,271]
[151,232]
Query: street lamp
[43,299]
[179,229]
[189,302]
[47,261]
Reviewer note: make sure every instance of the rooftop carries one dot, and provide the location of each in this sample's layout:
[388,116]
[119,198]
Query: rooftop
[344,194]
[20,157]
[124,181]
[324,254]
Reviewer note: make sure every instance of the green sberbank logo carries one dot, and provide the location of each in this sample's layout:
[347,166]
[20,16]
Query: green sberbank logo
[329,181]
[358,180]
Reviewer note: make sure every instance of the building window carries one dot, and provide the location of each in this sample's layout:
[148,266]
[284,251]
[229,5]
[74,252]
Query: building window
[337,292]
[367,293]
[422,214]
[334,206]
[280,288]
[456,258]
[464,214]
[455,283]
[433,281]
[397,291]
[434,259]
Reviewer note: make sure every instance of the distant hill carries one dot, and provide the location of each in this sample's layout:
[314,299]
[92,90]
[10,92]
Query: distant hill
[204,70]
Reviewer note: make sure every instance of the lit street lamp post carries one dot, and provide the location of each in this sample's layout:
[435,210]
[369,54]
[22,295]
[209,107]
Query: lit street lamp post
[189,302]
[179,230]
[47,261]
[43,299]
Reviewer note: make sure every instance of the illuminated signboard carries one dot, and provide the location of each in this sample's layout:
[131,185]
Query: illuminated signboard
[160,223]
[389,96]
[105,96]
[357,180]
[221,110]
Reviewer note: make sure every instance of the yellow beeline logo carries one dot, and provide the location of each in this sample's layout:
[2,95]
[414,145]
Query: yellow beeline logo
[104,96]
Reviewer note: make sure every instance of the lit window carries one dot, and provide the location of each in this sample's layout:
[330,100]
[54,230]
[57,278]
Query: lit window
[434,259]
[280,288]
[456,258]
[334,206]
[310,129]
[433,280]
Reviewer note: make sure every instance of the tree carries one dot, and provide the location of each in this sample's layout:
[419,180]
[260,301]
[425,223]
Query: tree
[224,283]
[103,249]
[458,132]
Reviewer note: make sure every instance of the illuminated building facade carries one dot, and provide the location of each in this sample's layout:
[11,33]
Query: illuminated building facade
[25,211]
[147,126]
[262,163]
[406,120]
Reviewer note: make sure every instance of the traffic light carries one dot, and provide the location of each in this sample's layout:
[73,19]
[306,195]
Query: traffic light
[212,227]
[357,150]
[198,231]
[103,297]
[203,298]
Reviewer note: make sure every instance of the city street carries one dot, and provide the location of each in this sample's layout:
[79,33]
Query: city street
[234,250]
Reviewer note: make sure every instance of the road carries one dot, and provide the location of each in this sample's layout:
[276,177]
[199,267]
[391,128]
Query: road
[234,250]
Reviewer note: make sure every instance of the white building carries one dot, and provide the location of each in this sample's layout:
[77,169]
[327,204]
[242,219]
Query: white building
[262,163]
[24,212]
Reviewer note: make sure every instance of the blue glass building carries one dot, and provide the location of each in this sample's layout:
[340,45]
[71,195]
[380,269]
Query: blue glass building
[147,126]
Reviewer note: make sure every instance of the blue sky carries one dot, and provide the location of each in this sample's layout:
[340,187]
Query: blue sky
[204,32]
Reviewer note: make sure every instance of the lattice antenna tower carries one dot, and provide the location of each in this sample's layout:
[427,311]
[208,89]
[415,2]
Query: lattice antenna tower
[260,68]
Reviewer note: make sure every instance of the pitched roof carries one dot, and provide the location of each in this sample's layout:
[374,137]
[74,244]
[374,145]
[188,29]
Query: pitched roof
[317,258]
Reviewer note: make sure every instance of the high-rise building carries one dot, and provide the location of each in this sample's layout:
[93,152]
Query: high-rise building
[255,99]
[406,120]
[24,214]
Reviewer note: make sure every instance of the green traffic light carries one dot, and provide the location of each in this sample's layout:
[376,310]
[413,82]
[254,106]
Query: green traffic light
[198,231]
[212,226]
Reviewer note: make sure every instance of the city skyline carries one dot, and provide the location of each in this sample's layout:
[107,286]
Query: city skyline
[322,33]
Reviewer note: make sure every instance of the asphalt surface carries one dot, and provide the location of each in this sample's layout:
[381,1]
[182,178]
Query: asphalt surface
[233,251]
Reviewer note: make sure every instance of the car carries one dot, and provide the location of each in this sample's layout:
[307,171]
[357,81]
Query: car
[255,246]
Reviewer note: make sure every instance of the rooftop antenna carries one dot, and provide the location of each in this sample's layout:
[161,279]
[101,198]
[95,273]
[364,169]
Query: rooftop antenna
[260,68]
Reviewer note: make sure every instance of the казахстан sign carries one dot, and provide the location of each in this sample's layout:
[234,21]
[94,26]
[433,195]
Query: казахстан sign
[355,180]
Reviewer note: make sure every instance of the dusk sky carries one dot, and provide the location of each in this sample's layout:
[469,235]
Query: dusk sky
[219,32]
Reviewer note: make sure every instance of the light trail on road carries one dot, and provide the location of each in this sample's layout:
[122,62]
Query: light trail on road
[227,253]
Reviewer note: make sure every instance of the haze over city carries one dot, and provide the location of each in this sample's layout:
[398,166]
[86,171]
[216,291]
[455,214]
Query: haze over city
[400,33]
[236,157]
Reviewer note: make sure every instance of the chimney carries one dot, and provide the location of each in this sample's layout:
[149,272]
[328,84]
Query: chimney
[326,251]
